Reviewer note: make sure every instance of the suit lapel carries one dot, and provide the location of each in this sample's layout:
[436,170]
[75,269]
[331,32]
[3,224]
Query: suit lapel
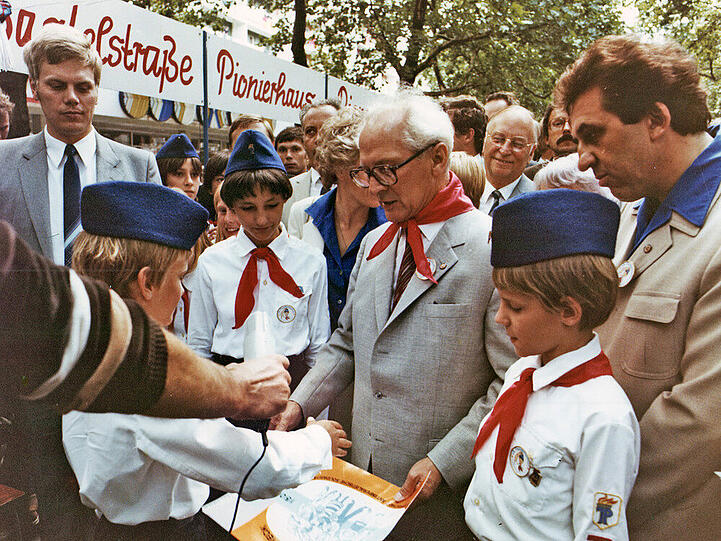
[383,278]
[440,250]
[34,182]
[106,161]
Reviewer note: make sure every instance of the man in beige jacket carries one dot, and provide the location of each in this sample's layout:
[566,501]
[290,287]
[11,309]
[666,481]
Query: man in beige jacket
[640,116]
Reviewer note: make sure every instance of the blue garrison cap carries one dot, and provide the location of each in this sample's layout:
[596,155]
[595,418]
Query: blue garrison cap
[537,226]
[142,211]
[252,151]
[178,146]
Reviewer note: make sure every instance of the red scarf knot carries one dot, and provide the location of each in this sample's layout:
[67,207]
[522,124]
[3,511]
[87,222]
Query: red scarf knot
[510,407]
[244,300]
[450,201]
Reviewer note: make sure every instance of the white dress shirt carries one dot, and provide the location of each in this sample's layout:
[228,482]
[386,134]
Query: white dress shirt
[315,184]
[87,166]
[178,323]
[506,191]
[584,441]
[134,469]
[298,324]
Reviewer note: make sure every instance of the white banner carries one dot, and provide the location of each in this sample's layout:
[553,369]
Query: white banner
[350,94]
[243,79]
[142,52]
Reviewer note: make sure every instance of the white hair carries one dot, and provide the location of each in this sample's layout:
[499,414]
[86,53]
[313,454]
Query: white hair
[422,119]
[564,173]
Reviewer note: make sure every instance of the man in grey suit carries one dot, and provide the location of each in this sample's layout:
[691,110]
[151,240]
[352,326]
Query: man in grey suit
[312,117]
[34,195]
[40,187]
[507,149]
[422,348]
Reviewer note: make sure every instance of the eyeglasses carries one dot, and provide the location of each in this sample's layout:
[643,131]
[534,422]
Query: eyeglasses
[517,145]
[384,174]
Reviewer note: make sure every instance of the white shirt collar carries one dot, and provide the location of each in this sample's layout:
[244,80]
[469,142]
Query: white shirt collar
[56,148]
[506,191]
[279,244]
[545,375]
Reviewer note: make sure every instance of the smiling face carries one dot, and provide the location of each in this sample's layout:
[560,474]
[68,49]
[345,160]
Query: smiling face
[312,122]
[185,179]
[619,154]
[418,181]
[504,164]
[226,221]
[67,94]
[532,328]
[260,215]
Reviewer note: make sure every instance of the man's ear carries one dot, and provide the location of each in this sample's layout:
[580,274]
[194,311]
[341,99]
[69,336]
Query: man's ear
[34,88]
[439,155]
[571,312]
[658,120]
[143,285]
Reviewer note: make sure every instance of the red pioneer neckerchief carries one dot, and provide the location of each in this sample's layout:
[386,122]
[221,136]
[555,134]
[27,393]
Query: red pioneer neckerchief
[447,203]
[511,405]
[244,300]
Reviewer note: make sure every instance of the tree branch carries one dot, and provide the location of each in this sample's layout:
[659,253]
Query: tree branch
[298,42]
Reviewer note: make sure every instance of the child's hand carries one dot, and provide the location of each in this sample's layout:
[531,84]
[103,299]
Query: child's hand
[338,438]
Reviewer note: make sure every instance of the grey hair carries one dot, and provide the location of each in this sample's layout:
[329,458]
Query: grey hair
[564,173]
[422,119]
[338,142]
[519,111]
[56,43]
[332,102]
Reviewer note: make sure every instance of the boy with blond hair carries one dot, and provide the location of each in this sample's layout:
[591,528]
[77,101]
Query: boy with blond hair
[147,478]
[557,456]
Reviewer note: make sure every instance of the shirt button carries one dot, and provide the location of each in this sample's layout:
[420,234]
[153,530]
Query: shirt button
[647,248]
[476,501]
[378,395]
[340,272]
[340,301]
[265,282]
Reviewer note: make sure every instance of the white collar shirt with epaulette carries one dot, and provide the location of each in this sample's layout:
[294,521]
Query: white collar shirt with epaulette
[571,465]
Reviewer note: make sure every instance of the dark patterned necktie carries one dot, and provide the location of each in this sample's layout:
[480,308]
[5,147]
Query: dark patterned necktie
[408,267]
[71,201]
[496,195]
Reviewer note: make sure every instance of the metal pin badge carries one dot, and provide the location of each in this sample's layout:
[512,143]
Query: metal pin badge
[625,273]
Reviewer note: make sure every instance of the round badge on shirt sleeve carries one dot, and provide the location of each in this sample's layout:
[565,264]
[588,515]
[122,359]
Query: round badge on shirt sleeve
[432,265]
[520,462]
[285,313]
[625,273]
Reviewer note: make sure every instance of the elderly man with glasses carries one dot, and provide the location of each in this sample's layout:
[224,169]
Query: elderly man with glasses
[417,335]
[507,149]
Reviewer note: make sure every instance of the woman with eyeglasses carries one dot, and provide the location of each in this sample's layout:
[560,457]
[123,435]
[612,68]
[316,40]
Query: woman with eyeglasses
[337,221]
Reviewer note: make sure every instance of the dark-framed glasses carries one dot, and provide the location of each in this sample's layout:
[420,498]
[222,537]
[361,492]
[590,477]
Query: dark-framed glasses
[384,174]
[518,144]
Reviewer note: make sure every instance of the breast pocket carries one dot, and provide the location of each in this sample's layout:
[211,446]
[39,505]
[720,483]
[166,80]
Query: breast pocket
[291,310]
[650,317]
[534,471]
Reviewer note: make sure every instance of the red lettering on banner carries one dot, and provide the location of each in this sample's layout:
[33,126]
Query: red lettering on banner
[253,88]
[343,96]
[22,37]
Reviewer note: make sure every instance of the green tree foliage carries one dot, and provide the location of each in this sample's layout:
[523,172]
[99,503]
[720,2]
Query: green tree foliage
[696,24]
[200,13]
[449,46]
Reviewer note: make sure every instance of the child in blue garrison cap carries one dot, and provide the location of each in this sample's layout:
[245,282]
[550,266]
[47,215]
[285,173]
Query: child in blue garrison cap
[146,478]
[558,455]
[179,165]
[261,269]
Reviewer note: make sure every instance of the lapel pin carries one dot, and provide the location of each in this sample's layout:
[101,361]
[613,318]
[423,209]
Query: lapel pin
[625,273]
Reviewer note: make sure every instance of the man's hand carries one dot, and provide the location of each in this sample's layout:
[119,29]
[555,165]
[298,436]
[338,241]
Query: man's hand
[339,441]
[264,386]
[415,477]
[288,419]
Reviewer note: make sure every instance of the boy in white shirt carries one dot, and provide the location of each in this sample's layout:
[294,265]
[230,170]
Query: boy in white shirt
[261,269]
[557,456]
[147,478]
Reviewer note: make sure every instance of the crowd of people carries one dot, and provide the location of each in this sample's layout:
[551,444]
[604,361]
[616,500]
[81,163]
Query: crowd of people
[519,314]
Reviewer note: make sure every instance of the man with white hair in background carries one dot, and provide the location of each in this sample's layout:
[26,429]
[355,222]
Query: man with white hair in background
[508,147]
[417,336]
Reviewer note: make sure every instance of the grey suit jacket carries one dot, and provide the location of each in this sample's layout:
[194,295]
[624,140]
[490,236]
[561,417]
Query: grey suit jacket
[426,374]
[24,199]
[301,190]
[524,185]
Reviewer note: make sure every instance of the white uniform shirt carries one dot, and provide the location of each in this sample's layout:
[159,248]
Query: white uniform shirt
[178,324]
[584,441]
[87,166]
[134,469]
[297,324]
